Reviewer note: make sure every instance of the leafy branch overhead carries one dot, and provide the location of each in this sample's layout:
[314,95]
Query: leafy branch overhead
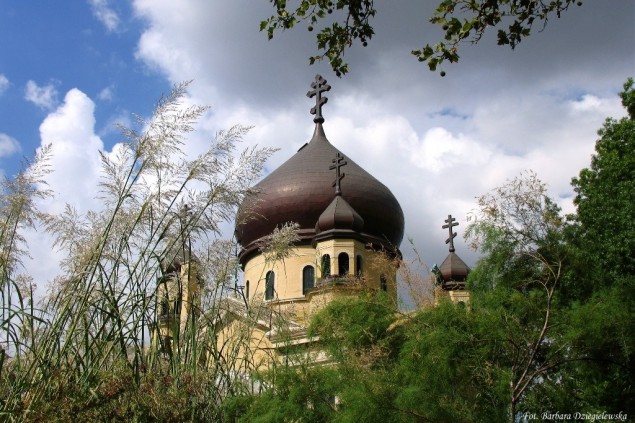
[342,23]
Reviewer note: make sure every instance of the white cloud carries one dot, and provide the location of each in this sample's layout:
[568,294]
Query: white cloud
[44,97]
[74,178]
[500,117]
[8,145]
[75,152]
[106,94]
[4,83]
[586,103]
[593,106]
[441,150]
[105,14]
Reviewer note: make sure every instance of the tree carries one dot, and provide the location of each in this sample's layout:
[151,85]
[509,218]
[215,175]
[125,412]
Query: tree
[355,333]
[515,285]
[605,220]
[527,343]
[449,363]
[463,21]
[601,283]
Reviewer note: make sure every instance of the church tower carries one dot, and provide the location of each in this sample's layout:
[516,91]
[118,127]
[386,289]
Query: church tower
[178,299]
[451,276]
[345,218]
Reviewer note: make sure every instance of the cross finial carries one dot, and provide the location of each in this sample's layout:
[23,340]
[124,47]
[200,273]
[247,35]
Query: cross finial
[338,162]
[450,224]
[319,86]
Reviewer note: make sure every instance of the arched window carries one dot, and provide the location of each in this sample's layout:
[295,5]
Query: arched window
[270,280]
[342,264]
[308,279]
[165,308]
[326,266]
[358,266]
[247,290]
[383,282]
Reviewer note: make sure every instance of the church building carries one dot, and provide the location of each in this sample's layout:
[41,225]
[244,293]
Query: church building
[349,228]
[345,218]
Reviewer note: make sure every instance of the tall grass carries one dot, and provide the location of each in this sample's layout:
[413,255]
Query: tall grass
[85,352]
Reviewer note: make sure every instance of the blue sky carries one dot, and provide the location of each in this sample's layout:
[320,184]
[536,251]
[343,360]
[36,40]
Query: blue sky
[70,70]
[60,47]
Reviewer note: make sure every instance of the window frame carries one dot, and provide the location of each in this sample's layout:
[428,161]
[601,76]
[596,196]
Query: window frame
[308,284]
[358,265]
[341,269]
[383,283]
[270,285]
[326,266]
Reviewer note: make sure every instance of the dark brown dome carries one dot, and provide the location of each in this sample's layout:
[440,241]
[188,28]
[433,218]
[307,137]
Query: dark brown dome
[301,189]
[339,215]
[453,269]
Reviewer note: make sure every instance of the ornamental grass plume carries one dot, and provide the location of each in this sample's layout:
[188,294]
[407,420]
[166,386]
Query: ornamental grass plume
[94,330]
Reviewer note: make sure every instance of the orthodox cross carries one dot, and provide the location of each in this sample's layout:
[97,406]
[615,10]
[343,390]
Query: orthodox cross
[450,224]
[319,86]
[338,162]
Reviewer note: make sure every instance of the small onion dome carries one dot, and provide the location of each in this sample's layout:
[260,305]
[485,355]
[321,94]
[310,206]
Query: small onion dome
[339,215]
[301,189]
[173,267]
[453,269]
[180,257]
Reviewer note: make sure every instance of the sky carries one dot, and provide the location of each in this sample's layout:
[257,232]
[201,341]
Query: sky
[70,71]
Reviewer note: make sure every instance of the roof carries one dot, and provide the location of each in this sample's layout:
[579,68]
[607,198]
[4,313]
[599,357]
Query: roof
[339,215]
[301,190]
[454,269]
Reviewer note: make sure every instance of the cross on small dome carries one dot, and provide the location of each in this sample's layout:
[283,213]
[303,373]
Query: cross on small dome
[450,224]
[319,86]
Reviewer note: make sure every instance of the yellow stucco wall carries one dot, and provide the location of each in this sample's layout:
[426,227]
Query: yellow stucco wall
[243,343]
[461,296]
[183,287]
[456,296]
[288,296]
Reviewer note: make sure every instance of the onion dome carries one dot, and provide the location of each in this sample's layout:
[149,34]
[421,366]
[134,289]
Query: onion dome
[301,191]
[339,215]
[180,256]
[453,271]
[172,267]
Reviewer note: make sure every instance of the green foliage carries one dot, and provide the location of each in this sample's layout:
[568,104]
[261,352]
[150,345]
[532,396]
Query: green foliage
[115,396]
[602,237]
[515,285]
[532,340]
[359,333]
[449,369]
[351,325]
[604,225]
[463,21]
[333,39]
[355,387]
[302,393]
[439,364]
[519,229]
[600,330]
